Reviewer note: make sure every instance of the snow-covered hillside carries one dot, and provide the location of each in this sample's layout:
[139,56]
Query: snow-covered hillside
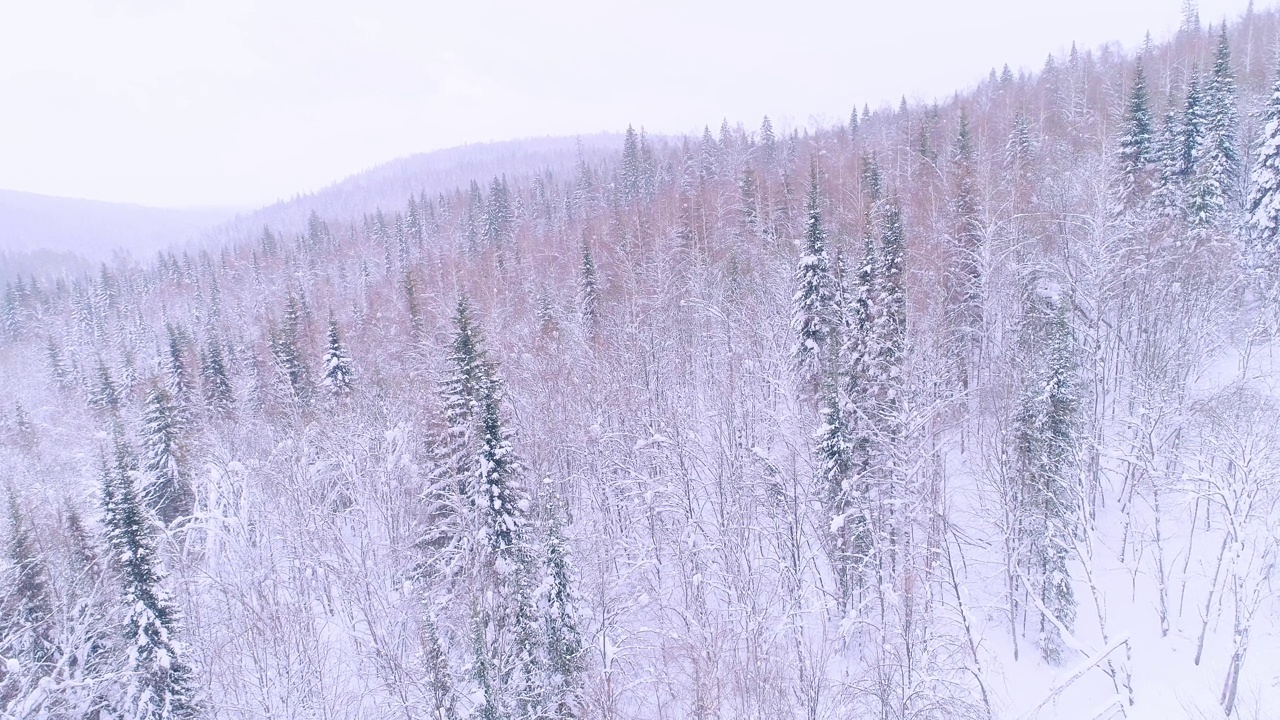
[962,410]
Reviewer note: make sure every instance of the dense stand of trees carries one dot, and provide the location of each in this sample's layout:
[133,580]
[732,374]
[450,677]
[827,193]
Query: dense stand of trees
[815,423]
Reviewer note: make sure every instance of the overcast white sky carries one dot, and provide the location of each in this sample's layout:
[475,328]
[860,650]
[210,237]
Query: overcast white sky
[241,102]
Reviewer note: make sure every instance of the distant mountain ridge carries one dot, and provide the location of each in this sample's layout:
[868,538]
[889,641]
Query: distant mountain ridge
[30,222]
[45,231]
[390,184]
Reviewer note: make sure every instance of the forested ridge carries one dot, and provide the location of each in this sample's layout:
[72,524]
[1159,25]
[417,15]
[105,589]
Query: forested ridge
[964,409]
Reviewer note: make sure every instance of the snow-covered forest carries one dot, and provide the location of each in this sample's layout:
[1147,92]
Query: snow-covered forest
[955,410]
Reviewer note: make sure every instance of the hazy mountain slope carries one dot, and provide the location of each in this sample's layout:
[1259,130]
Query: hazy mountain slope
[30,222]
[389,185]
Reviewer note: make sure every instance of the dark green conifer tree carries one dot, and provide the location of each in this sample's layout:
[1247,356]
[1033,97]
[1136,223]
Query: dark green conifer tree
[1263,209]
[158,684]
[104,394]
[1137,155]
[967,280]
[26,607]
[588,289]
[565,652]
[1046,489]
[288,356]
[1214,179]
[339,375]
[168,489]
[813,314]
[630,172]
[218,393]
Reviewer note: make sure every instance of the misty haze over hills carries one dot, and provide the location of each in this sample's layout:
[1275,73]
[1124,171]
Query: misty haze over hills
[390,185]
[30,222]
[42,232]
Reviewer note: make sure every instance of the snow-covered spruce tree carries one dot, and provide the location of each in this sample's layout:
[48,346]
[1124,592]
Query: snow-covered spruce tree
[882,426]
[318,235]
[485,557]
[168,490]
[648,168]
[59,370]
[1137,154]
[749,196]
[966,292]
[498,493]
[1263,219]
[87,626]
[339,377]
[1046,489]
[588,289]
[527,677]
[24,432]
[889,307]
[470,375]
[1190,131]
[558,606]
[498,215]
[104,394]
[218,394]
[158,684]
[629,173]
[27,647]
[858,327]
[288,356]
[1215,178]
[1167,195]
[490,705]
[814,302]
[442,697]
[840,482]
[11,314]
[177,377]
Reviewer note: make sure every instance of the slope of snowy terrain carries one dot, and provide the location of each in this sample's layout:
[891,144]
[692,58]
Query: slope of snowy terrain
[961,410]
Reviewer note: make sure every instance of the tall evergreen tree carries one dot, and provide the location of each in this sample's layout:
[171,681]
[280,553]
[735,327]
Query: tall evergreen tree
[58,367]
[286,353]
[813,314]
[1137,153]
[890,305]
[104,394]
[840,454]
[499,493]
[1167,195]
[159,684]
[748,191]
[168,489]
[218,393]
[177,377]
[489,559]
[339,376]
[1047,488]
[630,175]
[558,606]
[588,289]
[442,695]
[498,215]
[1215,178]
[1263,220]
[768,141]
[1191,130]
[966,279]
[26,607]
